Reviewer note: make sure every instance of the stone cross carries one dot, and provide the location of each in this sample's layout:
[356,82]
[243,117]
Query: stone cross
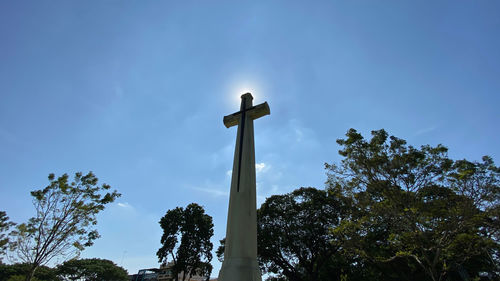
[240,253]
[239,117]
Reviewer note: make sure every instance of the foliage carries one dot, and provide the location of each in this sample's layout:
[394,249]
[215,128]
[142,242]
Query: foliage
[220,250]
[91,270]
[406,213]
[276,278]
[194,228]
[293,233]
[416,214]
[18,271]
[65,219]
[294,241]
[20,278]
[5,224]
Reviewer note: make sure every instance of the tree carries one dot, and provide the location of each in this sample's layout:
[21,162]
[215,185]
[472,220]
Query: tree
[193,253]
[65,219]
[416,214]
[5,224]
[91,270]
[294,240]
[18,271]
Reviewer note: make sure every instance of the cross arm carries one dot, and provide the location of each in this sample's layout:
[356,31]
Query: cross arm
[254,112]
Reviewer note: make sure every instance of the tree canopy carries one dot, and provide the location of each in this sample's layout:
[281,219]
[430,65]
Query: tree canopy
[390,211]
[5,224]
[294,240]
[18,271]
[65,219]
[194,228]
[91,270]
[416,214]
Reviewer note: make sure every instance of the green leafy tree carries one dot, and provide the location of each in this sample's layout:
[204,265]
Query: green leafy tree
[293,233]
[18,271]
[416,214]
[65,219]
[91,270]
[194,229]
[294,240]
[5,224]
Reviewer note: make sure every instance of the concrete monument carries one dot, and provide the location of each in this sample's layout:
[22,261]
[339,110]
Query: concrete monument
[240,254]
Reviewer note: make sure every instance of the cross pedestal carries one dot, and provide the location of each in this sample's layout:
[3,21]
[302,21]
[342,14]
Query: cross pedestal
[240,254]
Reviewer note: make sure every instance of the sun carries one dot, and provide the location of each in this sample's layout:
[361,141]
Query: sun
[242,84]
[245,90]
[241,90]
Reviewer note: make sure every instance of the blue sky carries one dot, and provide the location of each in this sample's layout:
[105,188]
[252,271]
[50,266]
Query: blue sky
[135,91]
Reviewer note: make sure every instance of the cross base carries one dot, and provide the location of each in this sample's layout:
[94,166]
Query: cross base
[240,269]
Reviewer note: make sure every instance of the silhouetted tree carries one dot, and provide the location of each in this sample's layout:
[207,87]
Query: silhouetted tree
[194,228]
[91,270]
[18,271]
[294,240]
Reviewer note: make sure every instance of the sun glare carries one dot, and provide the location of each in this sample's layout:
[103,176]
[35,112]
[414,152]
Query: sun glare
[245,90]
[239,91]
[243,84]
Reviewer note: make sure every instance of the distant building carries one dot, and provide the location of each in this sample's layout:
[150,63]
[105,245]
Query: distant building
[164,273]
[150,274]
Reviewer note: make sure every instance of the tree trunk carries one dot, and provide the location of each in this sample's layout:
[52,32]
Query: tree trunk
[31,273]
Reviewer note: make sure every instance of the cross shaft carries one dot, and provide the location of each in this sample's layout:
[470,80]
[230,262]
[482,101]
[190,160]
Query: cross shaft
[240,253]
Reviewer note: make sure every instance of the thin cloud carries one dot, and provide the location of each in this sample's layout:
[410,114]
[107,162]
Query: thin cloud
[259,167]
[301,134]
[426,130]
[263,194]
[125,205]
[220,156]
